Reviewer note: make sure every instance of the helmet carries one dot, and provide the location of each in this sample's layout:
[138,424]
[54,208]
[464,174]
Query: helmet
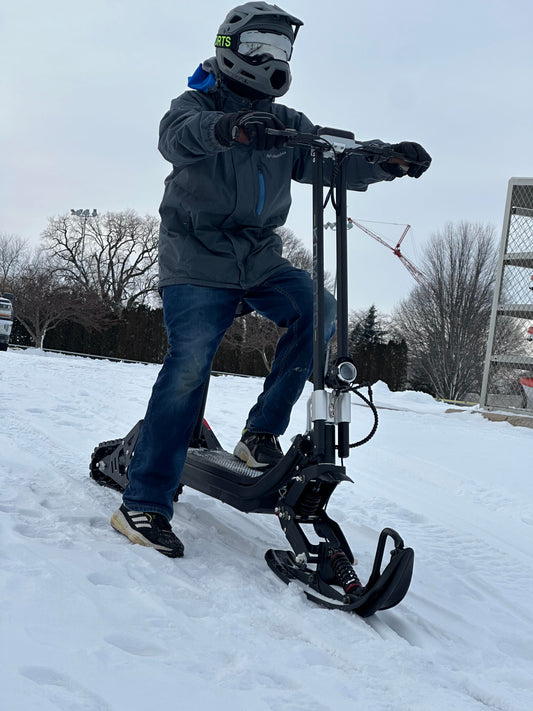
[254,46]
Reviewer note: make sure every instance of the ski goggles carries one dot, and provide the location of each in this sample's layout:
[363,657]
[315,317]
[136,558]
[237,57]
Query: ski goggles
[258,46]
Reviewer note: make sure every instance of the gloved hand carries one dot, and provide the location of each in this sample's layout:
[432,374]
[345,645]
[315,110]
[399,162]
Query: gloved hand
[417,160]
[249,127]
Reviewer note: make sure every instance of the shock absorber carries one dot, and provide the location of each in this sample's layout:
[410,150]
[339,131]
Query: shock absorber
[344,571]
[309,504]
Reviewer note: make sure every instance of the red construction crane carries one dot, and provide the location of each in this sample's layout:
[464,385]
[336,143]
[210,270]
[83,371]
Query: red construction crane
[415,273]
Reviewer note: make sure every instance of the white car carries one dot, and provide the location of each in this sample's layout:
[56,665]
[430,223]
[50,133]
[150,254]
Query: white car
[6,321]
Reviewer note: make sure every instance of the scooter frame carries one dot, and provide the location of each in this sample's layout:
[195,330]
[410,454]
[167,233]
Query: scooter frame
[298,488]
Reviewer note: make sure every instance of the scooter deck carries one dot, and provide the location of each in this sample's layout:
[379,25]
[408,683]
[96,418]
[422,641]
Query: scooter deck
[218,473]
[209,469]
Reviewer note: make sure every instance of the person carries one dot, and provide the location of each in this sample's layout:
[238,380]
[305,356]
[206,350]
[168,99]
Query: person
[228,191]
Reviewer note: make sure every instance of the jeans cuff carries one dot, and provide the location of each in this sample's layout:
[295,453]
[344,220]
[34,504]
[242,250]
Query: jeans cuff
[148,508]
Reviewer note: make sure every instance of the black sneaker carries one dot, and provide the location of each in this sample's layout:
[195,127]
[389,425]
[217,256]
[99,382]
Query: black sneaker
[258,449]
[148,529]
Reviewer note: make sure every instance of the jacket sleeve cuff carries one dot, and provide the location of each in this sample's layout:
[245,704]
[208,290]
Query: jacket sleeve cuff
[383,174]
[211,141]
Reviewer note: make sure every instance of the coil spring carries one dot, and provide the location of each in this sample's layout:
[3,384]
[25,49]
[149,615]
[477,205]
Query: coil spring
[344,571]
[310,503]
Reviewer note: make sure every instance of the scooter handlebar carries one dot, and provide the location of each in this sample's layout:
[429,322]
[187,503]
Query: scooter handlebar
[340,142]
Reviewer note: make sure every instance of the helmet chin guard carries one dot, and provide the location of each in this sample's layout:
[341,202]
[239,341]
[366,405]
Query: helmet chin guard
[263,71]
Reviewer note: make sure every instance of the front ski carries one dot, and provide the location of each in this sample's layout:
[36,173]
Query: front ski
[383,590]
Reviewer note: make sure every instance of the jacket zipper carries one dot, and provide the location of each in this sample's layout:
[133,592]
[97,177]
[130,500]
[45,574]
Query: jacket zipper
[261,201]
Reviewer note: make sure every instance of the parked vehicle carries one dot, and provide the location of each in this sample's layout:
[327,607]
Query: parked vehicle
[6,320]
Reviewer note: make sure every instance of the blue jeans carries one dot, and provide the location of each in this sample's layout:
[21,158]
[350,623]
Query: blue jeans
[196,318]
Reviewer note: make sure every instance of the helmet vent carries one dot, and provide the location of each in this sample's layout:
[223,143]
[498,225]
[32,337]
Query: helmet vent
[278,79]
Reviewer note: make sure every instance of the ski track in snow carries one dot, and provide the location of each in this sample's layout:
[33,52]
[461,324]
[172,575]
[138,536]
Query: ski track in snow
[89,622]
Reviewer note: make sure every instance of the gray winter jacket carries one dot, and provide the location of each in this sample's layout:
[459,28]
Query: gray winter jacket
[221,205]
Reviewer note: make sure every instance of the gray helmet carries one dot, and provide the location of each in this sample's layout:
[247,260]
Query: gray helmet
[239,42]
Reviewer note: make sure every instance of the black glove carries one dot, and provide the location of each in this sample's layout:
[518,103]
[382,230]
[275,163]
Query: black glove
[417,157]
[249,127]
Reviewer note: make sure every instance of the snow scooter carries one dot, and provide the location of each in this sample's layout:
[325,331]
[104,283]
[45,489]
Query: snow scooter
[297,489]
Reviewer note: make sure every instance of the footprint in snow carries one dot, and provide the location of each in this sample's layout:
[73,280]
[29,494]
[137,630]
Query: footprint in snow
[30,532]
[63,691]
[135,645]
[106,579]
[28,513]
[112,555]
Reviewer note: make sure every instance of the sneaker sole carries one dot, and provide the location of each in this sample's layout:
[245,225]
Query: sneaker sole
[120,524]
[242,452]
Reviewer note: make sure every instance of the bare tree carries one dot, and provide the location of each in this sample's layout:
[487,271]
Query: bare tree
[114,255]
[295,251]
[42,300]
[299,256]
[445,321]
[13,253]
[254,333]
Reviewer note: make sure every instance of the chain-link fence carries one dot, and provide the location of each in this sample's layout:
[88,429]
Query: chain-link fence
[508,374]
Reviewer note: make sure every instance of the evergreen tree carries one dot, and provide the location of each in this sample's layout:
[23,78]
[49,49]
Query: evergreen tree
[369,329]
[375,356]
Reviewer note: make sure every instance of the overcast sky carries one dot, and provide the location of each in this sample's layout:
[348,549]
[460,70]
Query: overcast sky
[84,85]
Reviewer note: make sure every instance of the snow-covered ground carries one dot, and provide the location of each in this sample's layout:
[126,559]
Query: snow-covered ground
[89,622]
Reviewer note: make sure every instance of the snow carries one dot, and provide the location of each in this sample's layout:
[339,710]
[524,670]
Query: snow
[90,622]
